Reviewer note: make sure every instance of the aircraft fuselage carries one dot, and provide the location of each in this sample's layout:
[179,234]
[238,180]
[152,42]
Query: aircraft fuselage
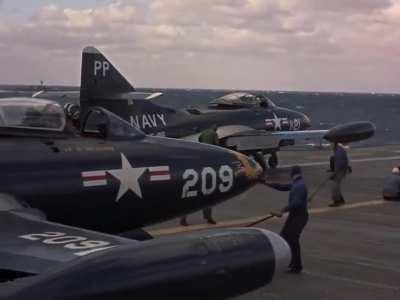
[158,120]
[117,185]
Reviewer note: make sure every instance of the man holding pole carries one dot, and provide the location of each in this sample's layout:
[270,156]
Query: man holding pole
[297,218]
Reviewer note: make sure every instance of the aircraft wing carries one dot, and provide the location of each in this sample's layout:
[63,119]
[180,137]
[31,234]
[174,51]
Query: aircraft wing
[74,95]
[263,140]
[80,264]
[242,138]
[29,244]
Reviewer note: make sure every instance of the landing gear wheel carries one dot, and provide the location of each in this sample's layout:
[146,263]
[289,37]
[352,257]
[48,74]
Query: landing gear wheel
[260,159]
[273,160]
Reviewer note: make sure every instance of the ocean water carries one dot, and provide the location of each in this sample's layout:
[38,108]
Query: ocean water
[324,109]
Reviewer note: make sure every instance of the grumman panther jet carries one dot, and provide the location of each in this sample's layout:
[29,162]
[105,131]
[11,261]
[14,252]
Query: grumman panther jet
[252,125]
[64,192]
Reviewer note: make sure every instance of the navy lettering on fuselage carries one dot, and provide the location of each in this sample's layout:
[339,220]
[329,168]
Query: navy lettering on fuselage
[148,121]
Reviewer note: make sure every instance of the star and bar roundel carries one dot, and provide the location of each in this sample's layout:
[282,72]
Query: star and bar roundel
[128,177]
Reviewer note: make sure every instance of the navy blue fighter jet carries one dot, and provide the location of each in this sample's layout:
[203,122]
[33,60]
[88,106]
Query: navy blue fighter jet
[250,124]
[65,191]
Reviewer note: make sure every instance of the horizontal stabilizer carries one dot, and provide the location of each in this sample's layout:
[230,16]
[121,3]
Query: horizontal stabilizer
[56,94]
[154,96]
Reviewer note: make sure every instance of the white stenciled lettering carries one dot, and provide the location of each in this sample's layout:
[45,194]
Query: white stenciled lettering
[226,176]
[161,117]
[102,66]
[191,177]
[153,120]
[87,245]
[148,121]
[210,182]
[38,236]
[106,67]
[295,124]
[135,121]
[97,66]
[64,240]
[145,122]
[69,242]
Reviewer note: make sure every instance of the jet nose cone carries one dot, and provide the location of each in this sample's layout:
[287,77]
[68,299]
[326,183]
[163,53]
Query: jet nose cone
[249,168]
[281,250]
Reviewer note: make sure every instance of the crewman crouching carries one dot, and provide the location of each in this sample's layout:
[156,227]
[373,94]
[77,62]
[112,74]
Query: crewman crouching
[297,218]
[391,186]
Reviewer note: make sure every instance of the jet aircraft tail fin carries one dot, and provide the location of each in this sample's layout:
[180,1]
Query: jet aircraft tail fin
[99,77]
[103,85]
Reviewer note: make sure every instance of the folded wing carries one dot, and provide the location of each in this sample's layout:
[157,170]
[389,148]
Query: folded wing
[245,139]
[31,245]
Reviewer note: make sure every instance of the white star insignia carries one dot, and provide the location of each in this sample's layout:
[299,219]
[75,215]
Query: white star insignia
[277,122]
[128,177]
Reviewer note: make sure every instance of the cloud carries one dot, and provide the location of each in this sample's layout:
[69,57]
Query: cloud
[263,44]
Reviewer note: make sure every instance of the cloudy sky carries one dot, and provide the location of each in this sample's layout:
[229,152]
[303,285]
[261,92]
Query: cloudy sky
[322,45]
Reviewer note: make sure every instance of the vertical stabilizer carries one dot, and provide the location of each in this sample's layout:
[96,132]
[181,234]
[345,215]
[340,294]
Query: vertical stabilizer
[99,77]
[102,85]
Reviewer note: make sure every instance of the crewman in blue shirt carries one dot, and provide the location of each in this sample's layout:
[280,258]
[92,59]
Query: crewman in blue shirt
[340,169]
[297,218]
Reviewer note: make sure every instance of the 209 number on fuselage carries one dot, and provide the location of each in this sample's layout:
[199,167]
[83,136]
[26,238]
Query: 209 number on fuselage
[207,181]
[82,245]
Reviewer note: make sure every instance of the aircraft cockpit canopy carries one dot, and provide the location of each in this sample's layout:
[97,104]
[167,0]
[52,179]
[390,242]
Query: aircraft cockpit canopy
[28,113]
[100,122]
[241,100]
